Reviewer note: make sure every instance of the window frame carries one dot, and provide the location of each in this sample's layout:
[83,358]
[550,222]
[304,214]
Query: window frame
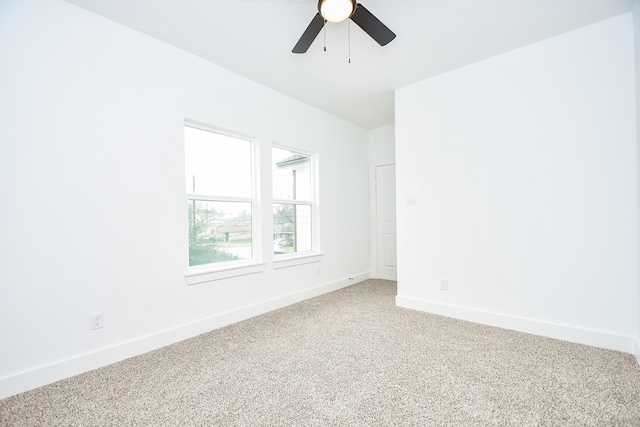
[314,254]
[226,269]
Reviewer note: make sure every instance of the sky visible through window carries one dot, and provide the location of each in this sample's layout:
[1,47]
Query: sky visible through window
[217,165]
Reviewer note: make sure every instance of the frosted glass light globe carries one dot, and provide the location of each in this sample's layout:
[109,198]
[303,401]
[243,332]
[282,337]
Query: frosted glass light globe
[336,10]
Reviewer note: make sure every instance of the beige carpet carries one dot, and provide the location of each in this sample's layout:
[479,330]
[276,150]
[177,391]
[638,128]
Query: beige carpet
[349,358]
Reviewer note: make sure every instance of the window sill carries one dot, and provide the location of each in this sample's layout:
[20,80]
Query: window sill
[291,261]
[219,273]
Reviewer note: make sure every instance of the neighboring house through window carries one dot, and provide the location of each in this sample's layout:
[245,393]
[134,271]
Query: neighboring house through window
[293,202]
[222,206]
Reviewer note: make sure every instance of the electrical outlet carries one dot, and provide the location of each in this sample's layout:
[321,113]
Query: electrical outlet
[444,285]
[318,271]
[97,320]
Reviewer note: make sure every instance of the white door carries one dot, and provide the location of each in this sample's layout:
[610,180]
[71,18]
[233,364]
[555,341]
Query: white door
[386,221]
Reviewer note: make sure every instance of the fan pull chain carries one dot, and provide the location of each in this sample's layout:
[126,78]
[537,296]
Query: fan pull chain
[324,33]
[349,31]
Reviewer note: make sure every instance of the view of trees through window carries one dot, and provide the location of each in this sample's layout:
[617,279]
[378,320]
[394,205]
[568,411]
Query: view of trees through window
[218,177]
[218,231]
[219,188]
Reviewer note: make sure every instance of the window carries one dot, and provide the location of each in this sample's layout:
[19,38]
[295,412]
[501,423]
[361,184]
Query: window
[293,202]
[220,198]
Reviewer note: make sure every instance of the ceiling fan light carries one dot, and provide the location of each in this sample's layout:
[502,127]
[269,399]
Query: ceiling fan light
[336,10]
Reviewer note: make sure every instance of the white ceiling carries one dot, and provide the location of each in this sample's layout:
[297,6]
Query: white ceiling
[254,38]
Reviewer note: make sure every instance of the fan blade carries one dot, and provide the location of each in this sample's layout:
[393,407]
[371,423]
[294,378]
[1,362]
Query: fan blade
[372,25]
[309,34]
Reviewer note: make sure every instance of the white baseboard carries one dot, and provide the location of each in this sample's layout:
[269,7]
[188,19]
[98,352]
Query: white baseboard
[531,326]
[637,350]
[48,374]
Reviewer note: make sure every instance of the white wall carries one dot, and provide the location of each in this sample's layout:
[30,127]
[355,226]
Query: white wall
[382,145]
[92,203]
[523,168]
[636,28]
[382,151]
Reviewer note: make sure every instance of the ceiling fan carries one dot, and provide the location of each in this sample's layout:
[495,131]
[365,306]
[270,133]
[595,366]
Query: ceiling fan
[338,11]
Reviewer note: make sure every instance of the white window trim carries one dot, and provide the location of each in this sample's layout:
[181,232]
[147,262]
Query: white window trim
[223,270]
[213,272]
[298,258]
